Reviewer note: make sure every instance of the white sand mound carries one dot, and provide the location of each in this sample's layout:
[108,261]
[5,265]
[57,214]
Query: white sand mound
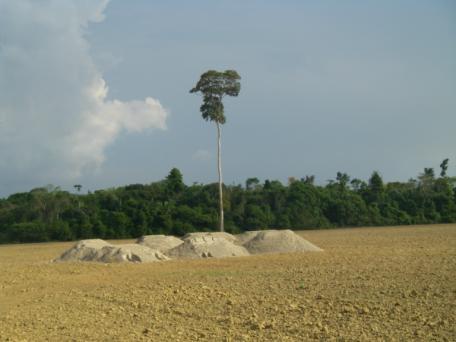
[245,237]
[193,246]
[84,250]
[275,241]
[206,245]
[100,251]
[131,253]
[221,235]
[160,243]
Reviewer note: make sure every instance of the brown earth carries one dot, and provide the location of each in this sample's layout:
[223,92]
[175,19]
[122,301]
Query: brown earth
[396,283]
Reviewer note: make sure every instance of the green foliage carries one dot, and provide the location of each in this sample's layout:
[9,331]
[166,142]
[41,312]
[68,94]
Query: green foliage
[214,85]
[171,207]
[174,182]
[444,167]
[34,231]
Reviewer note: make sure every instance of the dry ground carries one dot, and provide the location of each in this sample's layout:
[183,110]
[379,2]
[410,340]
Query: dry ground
[370,284]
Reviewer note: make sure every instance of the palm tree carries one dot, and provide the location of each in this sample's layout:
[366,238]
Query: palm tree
[214,85]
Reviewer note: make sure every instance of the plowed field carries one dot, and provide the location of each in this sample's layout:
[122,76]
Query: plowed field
[396,283]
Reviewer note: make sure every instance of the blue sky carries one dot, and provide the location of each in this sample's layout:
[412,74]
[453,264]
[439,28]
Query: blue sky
[351,86]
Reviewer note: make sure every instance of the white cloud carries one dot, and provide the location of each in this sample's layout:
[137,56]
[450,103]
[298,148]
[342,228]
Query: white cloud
[55,117]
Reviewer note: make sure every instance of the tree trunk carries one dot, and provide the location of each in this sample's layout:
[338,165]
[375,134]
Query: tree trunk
[219,157]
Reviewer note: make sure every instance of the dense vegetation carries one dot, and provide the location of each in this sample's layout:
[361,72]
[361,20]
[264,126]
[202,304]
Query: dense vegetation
[171,207]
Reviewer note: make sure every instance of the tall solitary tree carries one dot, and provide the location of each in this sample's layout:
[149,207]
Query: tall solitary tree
[213,86]
[78,187]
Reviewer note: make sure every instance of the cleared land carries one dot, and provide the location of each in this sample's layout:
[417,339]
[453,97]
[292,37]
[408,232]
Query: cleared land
[396,283]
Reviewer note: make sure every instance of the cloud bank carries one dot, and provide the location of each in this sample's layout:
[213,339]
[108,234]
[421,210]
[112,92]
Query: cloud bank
[56,120]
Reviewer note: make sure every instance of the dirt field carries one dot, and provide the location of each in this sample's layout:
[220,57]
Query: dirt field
[369,284]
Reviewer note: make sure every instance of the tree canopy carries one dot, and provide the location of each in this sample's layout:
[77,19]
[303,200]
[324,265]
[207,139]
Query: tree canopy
[214,85]
[172,207]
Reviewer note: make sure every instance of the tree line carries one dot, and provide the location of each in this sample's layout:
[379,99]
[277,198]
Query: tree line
[172,207]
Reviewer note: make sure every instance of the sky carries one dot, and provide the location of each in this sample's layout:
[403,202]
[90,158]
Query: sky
[96,92]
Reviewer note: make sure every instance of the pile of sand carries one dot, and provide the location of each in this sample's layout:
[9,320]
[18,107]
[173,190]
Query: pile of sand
[85,250]
[275,241]
[161,243]
[221,235]
[193,246]
[100,251]
[245,237]
[131,253]
[207,245]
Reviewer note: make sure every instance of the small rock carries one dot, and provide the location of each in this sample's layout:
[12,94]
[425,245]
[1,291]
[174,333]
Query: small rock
[365,310]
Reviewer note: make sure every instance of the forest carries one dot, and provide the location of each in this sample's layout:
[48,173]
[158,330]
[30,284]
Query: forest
[170,206]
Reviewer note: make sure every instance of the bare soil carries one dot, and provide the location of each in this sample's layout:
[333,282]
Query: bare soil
[376,284]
